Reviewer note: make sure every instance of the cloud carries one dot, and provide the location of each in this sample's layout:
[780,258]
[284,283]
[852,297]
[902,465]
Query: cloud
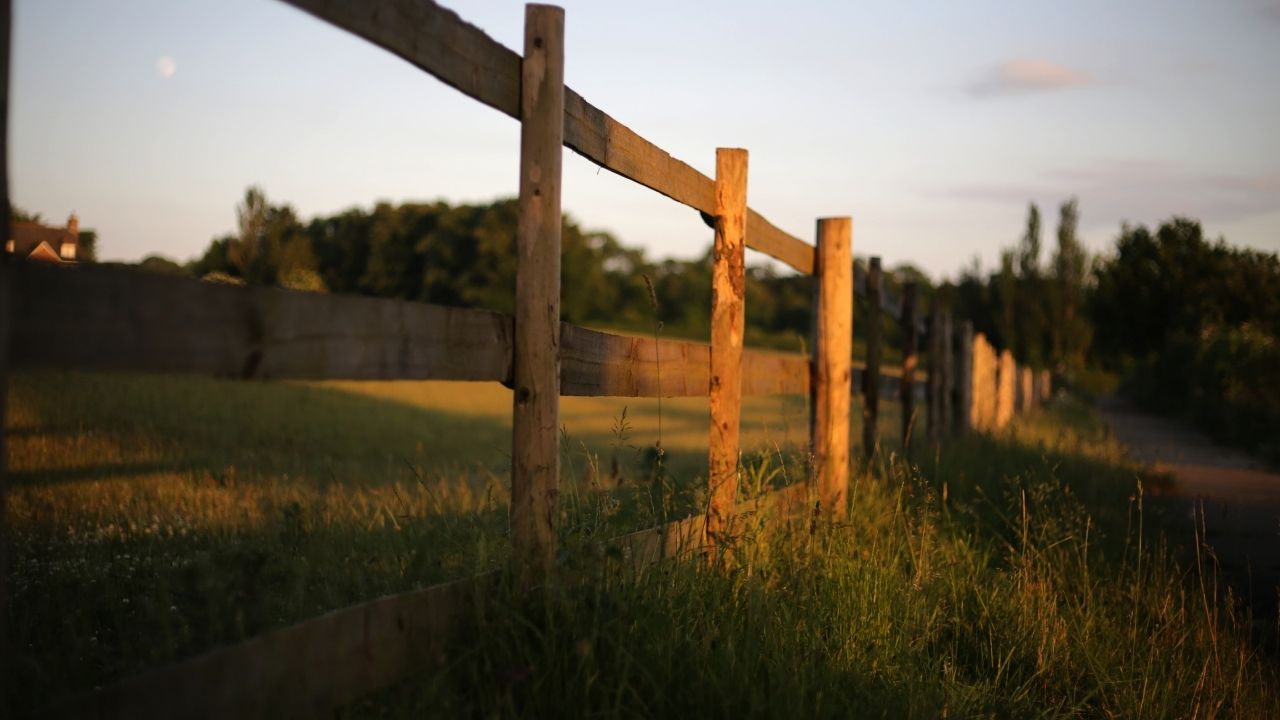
[166,66]
[1021,76]
[1140,191]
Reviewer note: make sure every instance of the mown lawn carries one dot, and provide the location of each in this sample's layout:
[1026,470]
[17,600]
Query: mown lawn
[151,518]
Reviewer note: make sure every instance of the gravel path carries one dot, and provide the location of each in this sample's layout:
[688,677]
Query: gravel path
[1240,498]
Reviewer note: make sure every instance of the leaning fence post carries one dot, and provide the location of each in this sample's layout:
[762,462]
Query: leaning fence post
[535,450]
[728,278]
[871,376]
[909,361]
[833,358]
[964,379]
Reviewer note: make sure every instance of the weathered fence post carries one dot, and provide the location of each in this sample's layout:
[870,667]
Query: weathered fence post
[833,362]
[909,361]
[871,376]
[933,383]
[728,279]
[964,379]
[948,368]
[535,451]
[1006,388]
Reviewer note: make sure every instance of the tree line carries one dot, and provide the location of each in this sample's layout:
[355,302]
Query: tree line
[1186,324]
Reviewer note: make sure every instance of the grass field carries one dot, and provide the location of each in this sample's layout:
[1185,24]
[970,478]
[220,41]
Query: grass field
[151,518]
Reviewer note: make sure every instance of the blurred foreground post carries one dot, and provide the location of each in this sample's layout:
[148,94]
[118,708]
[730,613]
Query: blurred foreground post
[871,376]
[833,363]
[6,19]
[535,450]
[909,361]
[728,281]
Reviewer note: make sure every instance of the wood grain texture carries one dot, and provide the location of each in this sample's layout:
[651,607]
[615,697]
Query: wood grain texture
[305,670]
[535,362]
[728,295]
[595,363]
[97,317]
[871,390]
[909,361]
[833,355]
[107,318]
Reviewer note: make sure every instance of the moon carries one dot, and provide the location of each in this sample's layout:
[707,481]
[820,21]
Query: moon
[166,66]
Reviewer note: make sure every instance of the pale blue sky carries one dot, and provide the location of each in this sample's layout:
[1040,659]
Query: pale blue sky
[931,123]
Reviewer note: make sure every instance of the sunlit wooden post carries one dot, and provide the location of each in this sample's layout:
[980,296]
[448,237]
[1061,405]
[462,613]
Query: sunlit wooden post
[1006,388]
[909,361]
[833,363]
[871,377]
[728,281]
[535,450]
[964,378]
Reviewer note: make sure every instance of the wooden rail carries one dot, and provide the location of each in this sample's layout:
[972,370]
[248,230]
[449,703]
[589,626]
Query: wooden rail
[107,318]
[314,667]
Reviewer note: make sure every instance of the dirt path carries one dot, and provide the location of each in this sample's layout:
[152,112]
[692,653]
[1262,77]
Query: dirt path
[1240,498]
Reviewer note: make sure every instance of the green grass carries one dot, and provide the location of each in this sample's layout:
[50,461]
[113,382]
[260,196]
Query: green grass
[152,518]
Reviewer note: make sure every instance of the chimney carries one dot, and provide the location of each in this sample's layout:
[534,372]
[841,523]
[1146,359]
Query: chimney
[73,225]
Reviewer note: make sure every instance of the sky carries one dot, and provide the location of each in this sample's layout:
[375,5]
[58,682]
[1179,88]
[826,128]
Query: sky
[932,124]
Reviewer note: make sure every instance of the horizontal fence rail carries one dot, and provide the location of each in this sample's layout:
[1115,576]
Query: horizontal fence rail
[314,667]
[122,319]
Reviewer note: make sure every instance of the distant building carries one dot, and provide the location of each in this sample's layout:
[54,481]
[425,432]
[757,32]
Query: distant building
[33,241]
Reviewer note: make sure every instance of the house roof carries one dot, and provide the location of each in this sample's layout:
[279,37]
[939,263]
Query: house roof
[28,236]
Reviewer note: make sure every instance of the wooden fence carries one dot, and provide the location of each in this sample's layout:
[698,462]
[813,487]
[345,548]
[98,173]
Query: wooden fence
[109,318]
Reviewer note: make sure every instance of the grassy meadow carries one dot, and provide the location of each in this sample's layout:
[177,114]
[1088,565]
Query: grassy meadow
[151,518]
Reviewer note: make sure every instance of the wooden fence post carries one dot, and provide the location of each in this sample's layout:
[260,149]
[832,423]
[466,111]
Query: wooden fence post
[833,362]
[871,376]
[1006,388]
[964,379]
[728,279]
[947,366]
[933,383]
[535,450]
[1026,391]
[909,361]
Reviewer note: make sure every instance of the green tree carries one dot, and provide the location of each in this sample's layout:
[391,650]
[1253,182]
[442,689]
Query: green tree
[1070,329]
